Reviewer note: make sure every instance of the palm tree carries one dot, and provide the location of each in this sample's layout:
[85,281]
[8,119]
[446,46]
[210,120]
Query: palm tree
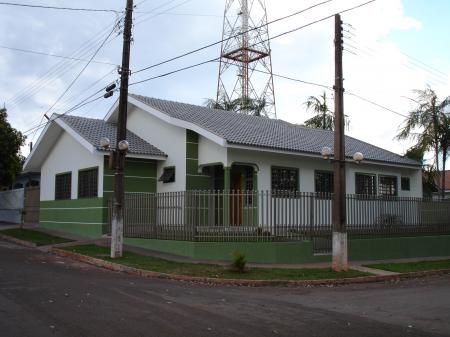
[244,105]
[431,120]
[324,118]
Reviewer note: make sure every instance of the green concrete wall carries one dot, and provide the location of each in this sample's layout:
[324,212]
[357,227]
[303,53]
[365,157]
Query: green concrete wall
[397,248]
[84,217]
[88,216]
[256,252]
[194,180]
[301,252]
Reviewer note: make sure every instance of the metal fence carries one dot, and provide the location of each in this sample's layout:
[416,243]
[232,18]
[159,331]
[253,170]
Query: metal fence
[220,216]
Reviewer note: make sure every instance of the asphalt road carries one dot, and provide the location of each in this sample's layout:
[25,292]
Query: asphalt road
[44,295]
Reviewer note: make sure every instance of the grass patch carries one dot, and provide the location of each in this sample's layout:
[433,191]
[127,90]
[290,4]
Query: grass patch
[39,238]
[210,270]
[407,267]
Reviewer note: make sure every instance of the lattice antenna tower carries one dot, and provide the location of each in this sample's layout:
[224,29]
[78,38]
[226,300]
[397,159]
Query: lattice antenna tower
[245,70]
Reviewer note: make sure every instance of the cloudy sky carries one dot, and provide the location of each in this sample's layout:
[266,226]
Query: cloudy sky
[392,47]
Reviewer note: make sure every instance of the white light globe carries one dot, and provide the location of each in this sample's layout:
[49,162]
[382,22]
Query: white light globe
[105,142]
[358,157]
[124,145]
[326,152]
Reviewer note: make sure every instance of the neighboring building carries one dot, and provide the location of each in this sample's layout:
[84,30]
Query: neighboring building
[181,147]
[438,184]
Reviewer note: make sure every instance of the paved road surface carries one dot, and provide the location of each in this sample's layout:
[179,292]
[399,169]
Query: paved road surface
[44,295]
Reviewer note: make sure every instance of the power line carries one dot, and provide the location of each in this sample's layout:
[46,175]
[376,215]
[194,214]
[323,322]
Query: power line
[82,70]
[60,8]
[224,40]
[52,55]
[375,103]
[60,68]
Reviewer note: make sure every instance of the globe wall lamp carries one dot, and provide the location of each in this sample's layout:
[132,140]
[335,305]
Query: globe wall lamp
[327,153]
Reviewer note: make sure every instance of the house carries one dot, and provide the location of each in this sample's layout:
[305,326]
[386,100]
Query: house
[177,147]
[438,184]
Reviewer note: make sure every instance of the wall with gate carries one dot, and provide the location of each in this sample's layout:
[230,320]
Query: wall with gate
[11,205]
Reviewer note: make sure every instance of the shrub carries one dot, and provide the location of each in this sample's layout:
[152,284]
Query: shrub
[239,262]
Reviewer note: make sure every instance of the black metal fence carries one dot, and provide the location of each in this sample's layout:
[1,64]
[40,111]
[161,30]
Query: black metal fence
[283,216]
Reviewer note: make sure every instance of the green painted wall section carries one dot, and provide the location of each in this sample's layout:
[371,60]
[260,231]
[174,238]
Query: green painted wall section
[257,252]
[396,248]
[140,176]
[301,252]
[194,180]
[84,217]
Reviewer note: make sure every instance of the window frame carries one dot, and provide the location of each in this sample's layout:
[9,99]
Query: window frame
[164,172]
[90,195]
[285,192]
[380,190]
[324,193]
[404,179]
[69,174]
[374,189]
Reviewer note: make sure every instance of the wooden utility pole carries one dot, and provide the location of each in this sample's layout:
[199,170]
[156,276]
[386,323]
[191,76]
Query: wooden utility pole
[120,151]
[340,258]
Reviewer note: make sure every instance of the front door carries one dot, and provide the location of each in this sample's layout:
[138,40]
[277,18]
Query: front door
[236,198]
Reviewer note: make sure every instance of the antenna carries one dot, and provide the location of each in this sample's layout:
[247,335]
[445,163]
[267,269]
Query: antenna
[245,70]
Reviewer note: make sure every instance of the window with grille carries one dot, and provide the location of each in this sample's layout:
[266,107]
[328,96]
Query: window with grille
[63,186]
[168,175]
[388,186]
[284,180]
[365,184]
[405,184]
[323,182]
[88,183]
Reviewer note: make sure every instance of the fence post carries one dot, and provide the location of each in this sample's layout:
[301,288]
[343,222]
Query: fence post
[311,216]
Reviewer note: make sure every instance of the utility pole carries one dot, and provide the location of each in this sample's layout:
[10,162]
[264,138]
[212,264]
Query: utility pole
[340,255]
[121,143]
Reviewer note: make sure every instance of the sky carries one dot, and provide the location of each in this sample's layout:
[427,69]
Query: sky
[391,48]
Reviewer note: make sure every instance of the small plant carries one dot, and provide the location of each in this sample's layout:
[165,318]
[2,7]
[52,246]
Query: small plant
[239,262]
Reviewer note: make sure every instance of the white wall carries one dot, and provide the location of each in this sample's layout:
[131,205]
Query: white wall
[210,152]
[68,155]
[168,138]
[307,166]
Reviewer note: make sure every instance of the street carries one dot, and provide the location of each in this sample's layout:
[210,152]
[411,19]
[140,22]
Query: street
[44,295]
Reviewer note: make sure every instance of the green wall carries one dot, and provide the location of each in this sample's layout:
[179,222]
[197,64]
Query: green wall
[84,217]
[194,180]
[302,251]
[89,216]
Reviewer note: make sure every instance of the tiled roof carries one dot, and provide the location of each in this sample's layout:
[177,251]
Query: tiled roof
[93,130]
[268,133]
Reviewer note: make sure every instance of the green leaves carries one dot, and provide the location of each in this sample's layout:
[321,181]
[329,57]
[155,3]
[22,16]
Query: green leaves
[246,105]
[10,142]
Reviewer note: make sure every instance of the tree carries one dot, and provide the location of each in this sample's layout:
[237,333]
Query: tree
[428,172]
[244,105]
[10,142]
[427,124]
[324,118]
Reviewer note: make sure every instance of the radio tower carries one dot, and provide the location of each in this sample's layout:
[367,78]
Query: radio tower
[245,70]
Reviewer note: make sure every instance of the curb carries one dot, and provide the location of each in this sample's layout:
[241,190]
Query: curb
[12,239]
[234,282]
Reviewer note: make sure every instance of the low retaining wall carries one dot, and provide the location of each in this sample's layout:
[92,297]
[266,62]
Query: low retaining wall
[302,252]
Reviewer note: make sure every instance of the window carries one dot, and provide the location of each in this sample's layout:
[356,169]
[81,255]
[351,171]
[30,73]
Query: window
[405,184]
[284,179]
[168,175]
[88,183]
[63,186]
[323,181]
[388,186]
[365,184]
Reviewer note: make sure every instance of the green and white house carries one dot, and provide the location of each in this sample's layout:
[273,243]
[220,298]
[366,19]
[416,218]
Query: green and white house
[176,147]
